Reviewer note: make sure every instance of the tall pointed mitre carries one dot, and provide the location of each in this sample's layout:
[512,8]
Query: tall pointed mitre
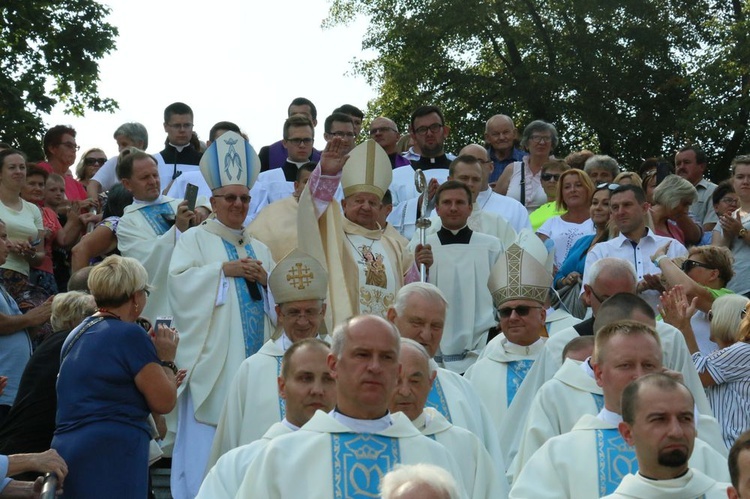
[230,160]
[368,169]
[523,271]
[297,277]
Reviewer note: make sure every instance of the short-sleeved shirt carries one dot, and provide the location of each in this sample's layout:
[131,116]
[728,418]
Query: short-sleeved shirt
[564,235]
[97,376]
[544,213]
[23,225]
[702,211]
[15,351]
[740,284]
[730,397]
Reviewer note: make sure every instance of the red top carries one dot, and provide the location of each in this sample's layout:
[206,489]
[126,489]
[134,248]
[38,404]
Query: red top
[74,190]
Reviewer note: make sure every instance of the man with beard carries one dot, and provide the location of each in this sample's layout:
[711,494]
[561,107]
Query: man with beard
[658,421]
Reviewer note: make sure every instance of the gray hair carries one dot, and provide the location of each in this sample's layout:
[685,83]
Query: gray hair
[340,333]
[134,131]
[613,266]
[408,342]
[726,314]
[405,477]
[69,309]
[538,126]
[602,162]
[673,190]
[424,289]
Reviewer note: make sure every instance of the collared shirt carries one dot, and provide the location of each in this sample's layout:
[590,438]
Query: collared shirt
[500,164]
[702,211]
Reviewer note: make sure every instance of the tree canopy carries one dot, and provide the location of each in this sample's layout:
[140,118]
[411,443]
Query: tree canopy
[632,78]
[49,53]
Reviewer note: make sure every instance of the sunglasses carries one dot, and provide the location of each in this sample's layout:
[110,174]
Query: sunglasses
[231,198]
[521,311]
[689,265]
[710,315]
[550,176]
[94,161]
[605,185]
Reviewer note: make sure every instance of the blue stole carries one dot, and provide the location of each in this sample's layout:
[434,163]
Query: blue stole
[436,400]
[360,460]
[599,401]
[516,372]
[615,459]
[282,402]
[153,215]
[251,311]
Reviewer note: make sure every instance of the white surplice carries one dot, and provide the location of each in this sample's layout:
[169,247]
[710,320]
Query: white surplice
[325,459]
[692,485]
[590,461]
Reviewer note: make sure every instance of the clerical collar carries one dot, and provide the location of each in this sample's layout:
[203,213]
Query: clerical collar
[238,232]
[460,236]
[677,482]
[422,420]
[289,425]
[158,200]
[586,367]
[179,148]
[609,417]
[362,425]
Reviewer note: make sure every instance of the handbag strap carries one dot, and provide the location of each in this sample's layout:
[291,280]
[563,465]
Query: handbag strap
[78,335]
[523,184]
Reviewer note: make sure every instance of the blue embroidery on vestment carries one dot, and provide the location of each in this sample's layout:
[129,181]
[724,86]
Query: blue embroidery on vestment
[436,400]
[360,460]
[517,370]
[251,311]
[599,401]
[282,402]
[153,215]
[615,460]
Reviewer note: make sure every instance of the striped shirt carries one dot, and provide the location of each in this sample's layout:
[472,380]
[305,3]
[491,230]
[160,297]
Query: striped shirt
[730,396]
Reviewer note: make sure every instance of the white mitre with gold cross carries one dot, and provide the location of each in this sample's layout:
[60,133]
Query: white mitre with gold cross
[523,271]
[368,169]
[297,277]
[230,160]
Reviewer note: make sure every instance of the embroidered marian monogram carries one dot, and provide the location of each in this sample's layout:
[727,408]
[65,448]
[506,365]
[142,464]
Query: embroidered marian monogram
[436,400]
[251,311]
[517,370]
[360,460]
[232,159]
[615,459]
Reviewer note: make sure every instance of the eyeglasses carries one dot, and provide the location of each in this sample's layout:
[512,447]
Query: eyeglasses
[689,265]
[343,135]
[147,291]
[521,311]
[181,126]
[434,128]
[550,176]
[70,145]
[231,198]
[598,298]
[541,139]
[605,185]
[94,161]
[144,323]
[710,314]
[298,314]
[298,142]
[382,129]
[728,200]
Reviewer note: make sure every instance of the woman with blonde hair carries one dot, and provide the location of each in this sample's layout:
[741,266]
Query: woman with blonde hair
[89,164]
[669,211]
[112,376]
[551,172]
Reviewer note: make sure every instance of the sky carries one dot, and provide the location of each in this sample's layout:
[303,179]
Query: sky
[235,60]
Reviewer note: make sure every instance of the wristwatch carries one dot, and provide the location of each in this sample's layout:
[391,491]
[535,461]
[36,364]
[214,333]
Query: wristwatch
[170,365]
[741,233]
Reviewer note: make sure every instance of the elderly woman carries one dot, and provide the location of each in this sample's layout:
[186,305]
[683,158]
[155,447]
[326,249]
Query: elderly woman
[60,148]
[601,169]
[89,164]
[669,212]
[551,172]
[726,372]
[628,178]
[522,180]
[31,421]
[574,191]
[703,276]
[112,375]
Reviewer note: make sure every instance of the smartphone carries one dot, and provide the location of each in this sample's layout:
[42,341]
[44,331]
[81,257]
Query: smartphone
[165,320]
[191,194]
[662,171]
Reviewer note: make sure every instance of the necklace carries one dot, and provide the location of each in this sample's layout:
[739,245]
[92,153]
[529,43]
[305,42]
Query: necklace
[110,314]
[366,249]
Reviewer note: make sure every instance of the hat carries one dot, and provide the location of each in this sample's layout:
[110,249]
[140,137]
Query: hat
[298,276]
[230,160]
[523,272]
[368,169]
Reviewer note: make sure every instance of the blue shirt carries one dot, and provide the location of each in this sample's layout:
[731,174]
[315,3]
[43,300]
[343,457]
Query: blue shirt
[15,351]
[500,164]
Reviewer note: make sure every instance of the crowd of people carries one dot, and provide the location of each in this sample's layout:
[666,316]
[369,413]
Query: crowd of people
[378,318]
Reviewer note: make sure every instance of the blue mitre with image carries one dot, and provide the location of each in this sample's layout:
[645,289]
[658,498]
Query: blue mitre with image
[230,160]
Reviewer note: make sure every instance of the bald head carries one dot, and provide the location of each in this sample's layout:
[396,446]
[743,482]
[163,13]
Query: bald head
[385,132]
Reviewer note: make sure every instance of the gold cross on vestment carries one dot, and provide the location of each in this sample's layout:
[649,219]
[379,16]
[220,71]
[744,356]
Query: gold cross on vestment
[300,276]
